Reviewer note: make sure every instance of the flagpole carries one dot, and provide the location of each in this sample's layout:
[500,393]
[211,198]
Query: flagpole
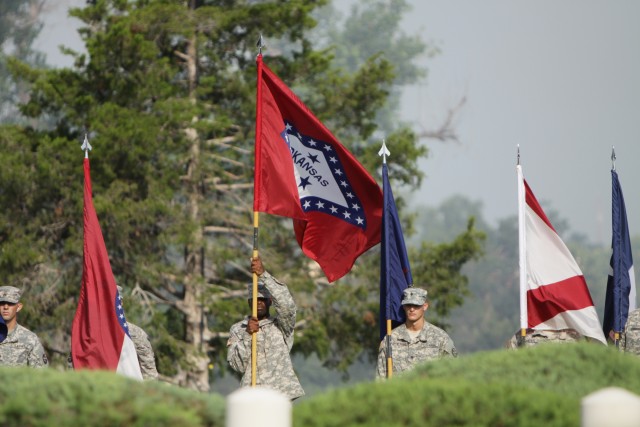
[616,331]
[256,186]
[522,245]
[384,152]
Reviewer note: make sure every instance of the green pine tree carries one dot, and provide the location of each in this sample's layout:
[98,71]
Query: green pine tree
[166,93]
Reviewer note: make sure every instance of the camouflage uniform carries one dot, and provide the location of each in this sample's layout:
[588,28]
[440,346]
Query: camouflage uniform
[22,348]
[144,351]
[630,338]
[535,337]
[431,343]
[146,358]
[274,342]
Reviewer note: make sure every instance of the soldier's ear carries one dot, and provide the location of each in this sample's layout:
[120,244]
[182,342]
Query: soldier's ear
[19,307]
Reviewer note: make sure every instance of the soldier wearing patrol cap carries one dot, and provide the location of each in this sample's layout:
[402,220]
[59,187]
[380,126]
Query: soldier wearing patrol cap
[144,351]
[274,337]
[417,340]
[21,347]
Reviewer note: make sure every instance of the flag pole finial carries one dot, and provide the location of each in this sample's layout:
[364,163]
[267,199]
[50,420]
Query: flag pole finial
[86,146]
[260,44]
[384,152]
[613,158]
[518,159]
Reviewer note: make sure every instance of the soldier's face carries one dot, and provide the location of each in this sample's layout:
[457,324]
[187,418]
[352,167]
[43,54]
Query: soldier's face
[263,307]
[414,312]
[8,310]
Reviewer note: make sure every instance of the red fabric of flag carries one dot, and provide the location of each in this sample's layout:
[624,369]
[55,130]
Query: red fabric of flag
[557,293]
[99,339]
[305,173]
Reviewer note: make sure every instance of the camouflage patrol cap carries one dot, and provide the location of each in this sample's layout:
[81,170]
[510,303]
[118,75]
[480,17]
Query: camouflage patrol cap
[263,292]
[414,296]
[10,294]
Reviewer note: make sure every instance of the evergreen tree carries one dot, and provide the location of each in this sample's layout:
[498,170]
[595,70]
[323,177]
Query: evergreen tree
[19,26]
[166,92]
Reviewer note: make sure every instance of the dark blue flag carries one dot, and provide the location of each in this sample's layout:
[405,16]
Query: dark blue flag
[621,286]
[3,330]
[395,271]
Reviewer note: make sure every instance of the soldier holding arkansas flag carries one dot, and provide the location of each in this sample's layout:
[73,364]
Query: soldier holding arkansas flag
[304,173]
[275,337]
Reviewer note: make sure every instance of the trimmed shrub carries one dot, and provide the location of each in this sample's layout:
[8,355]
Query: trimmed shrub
[45,397]
[530,387]
[437,403]
[575,369]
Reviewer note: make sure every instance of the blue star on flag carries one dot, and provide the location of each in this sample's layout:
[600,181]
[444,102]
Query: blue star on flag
[323,185]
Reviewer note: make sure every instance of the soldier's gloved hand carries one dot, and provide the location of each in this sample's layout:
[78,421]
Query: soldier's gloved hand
[253,325]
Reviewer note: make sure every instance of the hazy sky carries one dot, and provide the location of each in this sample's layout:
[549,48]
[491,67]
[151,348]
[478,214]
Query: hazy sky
[558,78]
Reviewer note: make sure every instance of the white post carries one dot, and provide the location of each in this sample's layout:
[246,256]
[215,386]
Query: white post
[258,407]
[611,407]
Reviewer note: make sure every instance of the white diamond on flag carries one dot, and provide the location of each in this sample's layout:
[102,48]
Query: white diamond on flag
[323,185]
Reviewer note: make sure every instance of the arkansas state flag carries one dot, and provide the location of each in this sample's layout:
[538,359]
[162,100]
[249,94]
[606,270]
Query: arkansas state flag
[99,336]
[395,270]
[305,173]
[554,294]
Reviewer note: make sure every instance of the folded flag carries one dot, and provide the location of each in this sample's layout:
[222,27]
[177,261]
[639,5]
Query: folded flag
[395,270]
[620,298]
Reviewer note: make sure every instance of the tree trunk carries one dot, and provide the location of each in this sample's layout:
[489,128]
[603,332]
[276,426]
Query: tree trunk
[197,374]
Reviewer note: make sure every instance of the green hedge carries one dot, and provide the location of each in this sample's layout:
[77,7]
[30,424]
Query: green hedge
[568,369]
[539,386]
[46,397]
[437,403]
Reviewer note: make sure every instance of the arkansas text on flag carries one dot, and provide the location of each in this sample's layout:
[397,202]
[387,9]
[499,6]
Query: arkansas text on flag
[557,296]
[395,270]
[99,336]
[303,172]
[620,299]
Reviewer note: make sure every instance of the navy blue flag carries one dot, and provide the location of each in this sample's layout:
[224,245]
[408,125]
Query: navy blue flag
[395,271]
[3,330]
[621,286]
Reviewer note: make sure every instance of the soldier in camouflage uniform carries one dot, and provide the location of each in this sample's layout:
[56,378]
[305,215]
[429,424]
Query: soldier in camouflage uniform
[144,351]
[535,337]
[21,347]
[630,338]
[141,342]
[417,340]
[274,337]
